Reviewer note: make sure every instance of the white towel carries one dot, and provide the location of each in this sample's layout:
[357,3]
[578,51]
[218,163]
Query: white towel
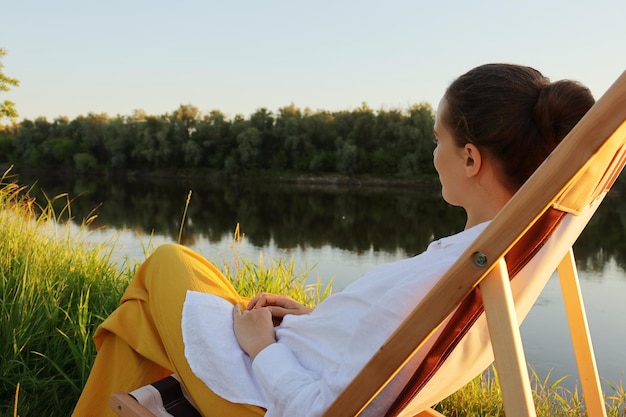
[213,352]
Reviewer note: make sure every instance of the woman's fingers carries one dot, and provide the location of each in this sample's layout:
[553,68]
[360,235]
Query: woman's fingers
[279,305]
[260,300]
[264,299]
[253,329]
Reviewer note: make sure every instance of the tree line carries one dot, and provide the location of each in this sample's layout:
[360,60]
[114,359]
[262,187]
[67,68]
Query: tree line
[383,143]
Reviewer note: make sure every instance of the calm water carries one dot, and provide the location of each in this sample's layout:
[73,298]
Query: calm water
[342,232]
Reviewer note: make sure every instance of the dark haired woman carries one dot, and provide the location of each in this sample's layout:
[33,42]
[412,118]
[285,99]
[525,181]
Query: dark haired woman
[495,125]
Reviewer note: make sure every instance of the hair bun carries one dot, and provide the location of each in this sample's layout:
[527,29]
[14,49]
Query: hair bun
[560,105]
[511,110]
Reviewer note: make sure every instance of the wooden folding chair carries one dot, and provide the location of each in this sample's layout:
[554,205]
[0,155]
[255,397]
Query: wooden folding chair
[533,234]
[575,176]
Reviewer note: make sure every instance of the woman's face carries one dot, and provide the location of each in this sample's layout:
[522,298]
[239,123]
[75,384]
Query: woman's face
[448,160]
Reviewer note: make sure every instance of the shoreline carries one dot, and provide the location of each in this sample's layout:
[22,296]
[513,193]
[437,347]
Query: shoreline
[303,180]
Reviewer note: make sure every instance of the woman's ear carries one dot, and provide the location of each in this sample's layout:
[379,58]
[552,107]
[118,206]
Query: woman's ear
[473,159]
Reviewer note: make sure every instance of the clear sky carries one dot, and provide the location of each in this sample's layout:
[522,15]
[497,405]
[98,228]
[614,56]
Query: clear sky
[74,57]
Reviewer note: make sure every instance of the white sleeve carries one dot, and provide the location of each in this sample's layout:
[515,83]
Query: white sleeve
[295,390]
[292,389]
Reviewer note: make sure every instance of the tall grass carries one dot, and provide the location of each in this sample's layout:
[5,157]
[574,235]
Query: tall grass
[482,397]
[54,290]
[276,276]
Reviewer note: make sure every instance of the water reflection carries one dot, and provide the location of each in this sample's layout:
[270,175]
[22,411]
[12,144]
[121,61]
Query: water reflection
[347,218]
[355,219]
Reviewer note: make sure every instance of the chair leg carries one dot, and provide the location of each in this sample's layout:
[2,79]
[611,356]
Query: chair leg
[126,406]
[507,343]
[581,340]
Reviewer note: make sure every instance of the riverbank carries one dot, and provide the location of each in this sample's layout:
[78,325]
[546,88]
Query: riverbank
[56,289]
[326,180]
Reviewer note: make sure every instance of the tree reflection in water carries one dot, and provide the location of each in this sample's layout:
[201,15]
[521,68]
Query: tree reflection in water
[354,219]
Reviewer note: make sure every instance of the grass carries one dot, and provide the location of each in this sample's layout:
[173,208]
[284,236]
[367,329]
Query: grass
[275,276]
[55,289]
[53,292]
[482,397]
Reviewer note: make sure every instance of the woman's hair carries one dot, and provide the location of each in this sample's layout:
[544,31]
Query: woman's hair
[515,114]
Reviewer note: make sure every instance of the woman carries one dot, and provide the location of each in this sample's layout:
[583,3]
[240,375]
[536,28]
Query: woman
[495,125]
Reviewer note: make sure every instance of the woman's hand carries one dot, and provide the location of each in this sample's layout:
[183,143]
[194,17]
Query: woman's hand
[278,305]
[254,329]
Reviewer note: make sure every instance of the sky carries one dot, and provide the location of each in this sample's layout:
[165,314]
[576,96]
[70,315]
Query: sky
[76,57]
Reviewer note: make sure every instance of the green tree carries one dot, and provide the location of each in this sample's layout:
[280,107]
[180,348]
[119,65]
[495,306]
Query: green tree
[153,147]
[28,138]
[185,119]
[249,142]
[263,120]
[422,122]
[192,153]
[6,147]
[346,157]
[183,126]
[58,151]
[118,141]
[7,108]
[92,129]
[212,132]
[294,141]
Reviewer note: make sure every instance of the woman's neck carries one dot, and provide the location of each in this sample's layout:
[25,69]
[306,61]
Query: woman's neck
[485,207]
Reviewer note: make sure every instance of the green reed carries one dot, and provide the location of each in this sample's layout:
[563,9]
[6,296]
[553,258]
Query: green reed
[482,397]
[277,276]
[54,290]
